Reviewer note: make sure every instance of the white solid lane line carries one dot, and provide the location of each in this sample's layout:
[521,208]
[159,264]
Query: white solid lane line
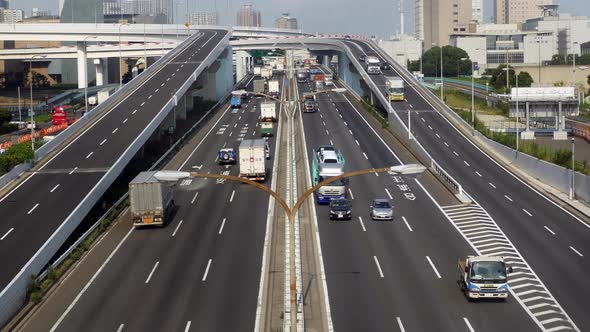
[466,163]
[232,196]
[103,141]
[127,119]
[527,212]
[6,234]
[152,273]
[176,229]
[468,324]
[120,327]
[56,186]
[399,323]
[222,225]
[508,198]
[362,224]
[378,266]
[364,154]
[33,208]
[549,230]
[577,252]
[207,270]
[350,193]
[114,131]
[194,198]
[188,326]
[433,267]
[72,171]
[388,193]
[492,185]
[89,155]
[407,224]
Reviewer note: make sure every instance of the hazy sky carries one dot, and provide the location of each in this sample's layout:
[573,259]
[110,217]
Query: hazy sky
[378,17]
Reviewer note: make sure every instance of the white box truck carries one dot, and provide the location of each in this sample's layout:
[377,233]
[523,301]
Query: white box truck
[329,80]
[103,95]
[266,73]
[373,65]
[257,71]
[151,201]
[268,111]
[252,159]
[259,86]
[395,88]
[273,88]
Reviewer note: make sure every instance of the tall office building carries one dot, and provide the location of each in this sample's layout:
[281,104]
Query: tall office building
[248,16]
[518,11]
[286,22]
[11,16]
[477,11]
[419,19]
[438,19]
[4,4]
[204,18]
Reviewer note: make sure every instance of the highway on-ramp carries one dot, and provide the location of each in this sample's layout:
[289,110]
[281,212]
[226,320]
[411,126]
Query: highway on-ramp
[36,208]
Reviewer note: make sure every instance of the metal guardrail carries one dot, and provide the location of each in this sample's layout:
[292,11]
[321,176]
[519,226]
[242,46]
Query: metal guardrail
[447,177]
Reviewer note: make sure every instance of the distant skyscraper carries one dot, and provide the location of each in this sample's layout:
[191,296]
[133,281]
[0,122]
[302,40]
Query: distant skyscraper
[204,18]
[36,12]
[11,16]
[4,4]
[286,22]
[477,11]
[517,11]
[439,18]
[248,16]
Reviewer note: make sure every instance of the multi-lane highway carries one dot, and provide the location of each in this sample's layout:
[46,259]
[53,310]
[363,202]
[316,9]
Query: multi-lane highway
[35,209]
[203,268]
[550,239]
[392,275]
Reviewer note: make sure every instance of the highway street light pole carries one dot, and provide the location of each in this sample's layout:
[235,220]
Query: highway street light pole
[572,188]
[32,125]
[517,120]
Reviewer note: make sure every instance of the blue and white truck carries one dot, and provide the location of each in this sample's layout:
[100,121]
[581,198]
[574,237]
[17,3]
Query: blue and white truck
[484,277]
[328,162]
[236,101]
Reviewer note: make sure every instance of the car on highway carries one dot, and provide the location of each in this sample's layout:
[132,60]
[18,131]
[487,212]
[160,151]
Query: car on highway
[309,106]
[385,66]
[340,209]
[227,156]
[381,209]
[266,148]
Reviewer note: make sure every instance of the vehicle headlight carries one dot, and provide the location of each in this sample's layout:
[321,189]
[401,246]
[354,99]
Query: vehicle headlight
[332,212]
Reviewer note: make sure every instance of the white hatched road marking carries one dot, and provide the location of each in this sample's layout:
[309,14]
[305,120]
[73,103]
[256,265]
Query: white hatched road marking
[485,237]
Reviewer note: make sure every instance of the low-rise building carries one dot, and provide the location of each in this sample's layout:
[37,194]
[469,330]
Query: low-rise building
[402,48]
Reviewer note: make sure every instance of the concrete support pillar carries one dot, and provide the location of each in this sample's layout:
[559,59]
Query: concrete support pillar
[560,133]
[527,134]
[105,70]
[82,69]
[180,109]
[243,63]
[99,72]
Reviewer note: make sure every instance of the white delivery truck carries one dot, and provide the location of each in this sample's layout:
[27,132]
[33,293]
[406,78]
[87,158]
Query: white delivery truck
[266,72]
[151,201]
[103,95]
[257,71]
[273,88]
[484,277]
[259,86]
[395,88]
[268,111]
[329,80]
[373,65]
[328,162]
[252,159]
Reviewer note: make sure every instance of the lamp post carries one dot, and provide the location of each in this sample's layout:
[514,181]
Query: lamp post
[574,65]
[572,187]
[517,120]
[472,95]
[86,78]
[442,84]
[32,125]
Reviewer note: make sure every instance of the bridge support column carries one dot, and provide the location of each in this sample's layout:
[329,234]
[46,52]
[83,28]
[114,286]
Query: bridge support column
[181,108]
[82,66]
[527,134]
[244,63]
[98,66]
[560,133]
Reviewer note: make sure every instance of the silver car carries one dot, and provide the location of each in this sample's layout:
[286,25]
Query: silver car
[381,209]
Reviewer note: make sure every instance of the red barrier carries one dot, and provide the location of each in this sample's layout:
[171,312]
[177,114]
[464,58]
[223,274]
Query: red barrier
[38,134]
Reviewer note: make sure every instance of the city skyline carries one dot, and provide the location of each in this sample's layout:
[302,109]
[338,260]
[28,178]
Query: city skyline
[380,19]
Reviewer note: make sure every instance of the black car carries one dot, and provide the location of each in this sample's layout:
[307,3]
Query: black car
[385,66]
[340,209]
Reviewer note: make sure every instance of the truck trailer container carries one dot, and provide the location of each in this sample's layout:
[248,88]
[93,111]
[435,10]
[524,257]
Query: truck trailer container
[252,159]
[151,201]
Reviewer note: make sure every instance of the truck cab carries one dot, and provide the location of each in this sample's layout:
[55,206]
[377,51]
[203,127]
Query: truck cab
[327,163]
[236,102]
[484,277]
